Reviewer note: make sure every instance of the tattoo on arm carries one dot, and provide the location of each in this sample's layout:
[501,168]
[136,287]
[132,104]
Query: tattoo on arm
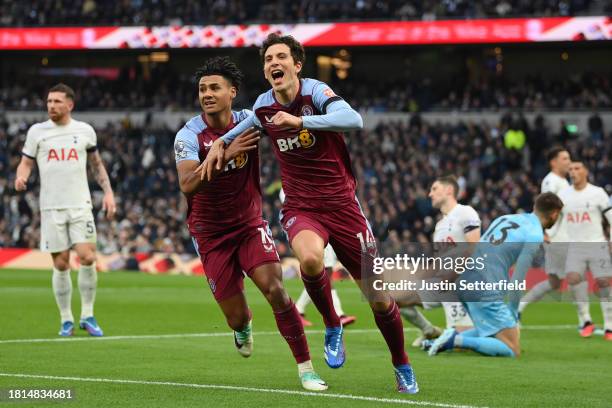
[99,172]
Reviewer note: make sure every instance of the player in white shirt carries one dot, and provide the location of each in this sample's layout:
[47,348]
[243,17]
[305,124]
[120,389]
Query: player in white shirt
[459,224]
[329,260]
[555,247]
[61,147]
[584,208]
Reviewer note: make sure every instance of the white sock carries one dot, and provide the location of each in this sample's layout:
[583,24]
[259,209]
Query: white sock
[581,299]
[305,367]
[414,316]
[535,294]
[62,288]
[88,280]
[337,303]
[302,302]
[605,297]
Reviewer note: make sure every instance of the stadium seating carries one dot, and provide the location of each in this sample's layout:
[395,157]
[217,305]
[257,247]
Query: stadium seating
[394,164]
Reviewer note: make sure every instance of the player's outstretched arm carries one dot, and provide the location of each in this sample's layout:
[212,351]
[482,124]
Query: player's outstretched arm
[24,169]
[340,117]
[101,176]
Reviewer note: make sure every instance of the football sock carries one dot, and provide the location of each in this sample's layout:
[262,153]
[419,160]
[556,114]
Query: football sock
[489,346]
[414,316]
[337,304]
[305,367]
[605,297]
[62,288]
[290,327]
[535,294]
[302,302]
[390,325]
[580,292]
[88,279]
[319,289]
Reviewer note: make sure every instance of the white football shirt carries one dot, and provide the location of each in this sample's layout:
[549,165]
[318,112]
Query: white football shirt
[453,226]
[61,155]
[554,183]
[583,212]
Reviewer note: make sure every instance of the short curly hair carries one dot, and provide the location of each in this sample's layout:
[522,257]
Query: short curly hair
[220,66]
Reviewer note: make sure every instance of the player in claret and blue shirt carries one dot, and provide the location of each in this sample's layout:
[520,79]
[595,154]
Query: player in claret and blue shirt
[225,217]
[510,240]
[304,119]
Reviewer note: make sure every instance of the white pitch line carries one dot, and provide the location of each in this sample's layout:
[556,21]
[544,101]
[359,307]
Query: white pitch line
[225,334]
[237,388]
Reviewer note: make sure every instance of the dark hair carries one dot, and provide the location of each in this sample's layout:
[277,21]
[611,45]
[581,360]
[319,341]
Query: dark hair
[546,203]
[450,180]
[296,48]
[220,66]
[554,152]
[63,88]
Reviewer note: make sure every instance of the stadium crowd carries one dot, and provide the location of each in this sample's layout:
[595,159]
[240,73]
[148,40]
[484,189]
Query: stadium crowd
[394,164]
[163,12]
[163,89]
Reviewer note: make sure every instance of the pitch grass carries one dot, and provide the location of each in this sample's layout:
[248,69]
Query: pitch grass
[557,369]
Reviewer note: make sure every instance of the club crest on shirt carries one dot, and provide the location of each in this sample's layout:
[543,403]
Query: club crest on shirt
[307,110]
[213,286]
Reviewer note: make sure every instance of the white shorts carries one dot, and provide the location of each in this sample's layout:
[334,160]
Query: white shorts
[329,257]
[61,229]
[555,256]
[593,256]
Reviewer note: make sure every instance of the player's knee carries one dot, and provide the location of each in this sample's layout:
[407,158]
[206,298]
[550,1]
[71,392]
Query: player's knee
[61,264]
[573,278]
[61,261]
[277,295]
[87,258]
[311,262]
[380,307]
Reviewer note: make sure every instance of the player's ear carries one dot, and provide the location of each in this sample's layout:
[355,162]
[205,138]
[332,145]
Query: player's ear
[70,105]
[298,67]
[233,92]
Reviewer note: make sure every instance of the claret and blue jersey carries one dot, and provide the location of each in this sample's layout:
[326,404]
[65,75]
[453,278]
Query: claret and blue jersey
[315,165]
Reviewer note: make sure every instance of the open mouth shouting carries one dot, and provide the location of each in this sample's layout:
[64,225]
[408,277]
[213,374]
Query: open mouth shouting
[277,76]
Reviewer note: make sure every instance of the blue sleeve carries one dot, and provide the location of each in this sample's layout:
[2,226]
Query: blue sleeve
[339,117]
[186,146]
[248,122]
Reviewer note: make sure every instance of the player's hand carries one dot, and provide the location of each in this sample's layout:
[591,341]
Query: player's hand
[109,206]
[21,184]
[242,144]
[284,119]
[213,161]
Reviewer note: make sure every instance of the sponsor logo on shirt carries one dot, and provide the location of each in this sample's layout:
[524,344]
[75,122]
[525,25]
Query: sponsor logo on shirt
[304,139]
[62,155]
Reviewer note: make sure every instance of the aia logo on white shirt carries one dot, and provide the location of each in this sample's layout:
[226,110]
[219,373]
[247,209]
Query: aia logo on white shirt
[63,154]
[577,217]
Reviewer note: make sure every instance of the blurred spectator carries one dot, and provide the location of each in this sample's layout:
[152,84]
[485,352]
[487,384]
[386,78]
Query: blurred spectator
[394,163]
[176,12]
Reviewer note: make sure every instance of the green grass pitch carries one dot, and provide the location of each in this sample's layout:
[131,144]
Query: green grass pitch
[157,363]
